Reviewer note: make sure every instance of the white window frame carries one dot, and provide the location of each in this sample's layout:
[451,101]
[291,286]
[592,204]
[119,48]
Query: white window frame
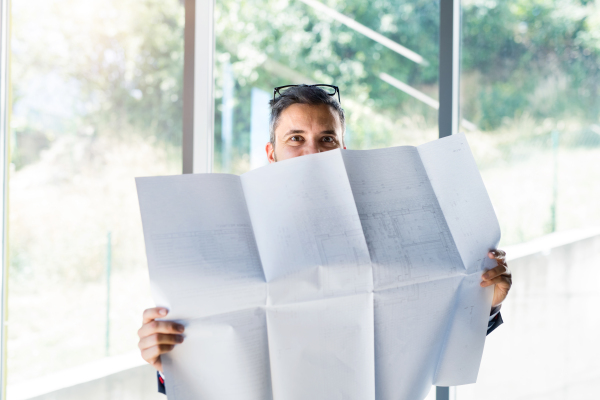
[198,87]
[449,72]
[4,171]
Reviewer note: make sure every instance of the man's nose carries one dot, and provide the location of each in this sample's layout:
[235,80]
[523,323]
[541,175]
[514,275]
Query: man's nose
[310,147]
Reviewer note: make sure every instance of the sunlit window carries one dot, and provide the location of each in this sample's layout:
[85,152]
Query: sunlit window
[383,57]
[530,84]
[96,99]
[96,89]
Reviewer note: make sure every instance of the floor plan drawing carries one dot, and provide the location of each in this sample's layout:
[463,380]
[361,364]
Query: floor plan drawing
[406,231]
[206,247]
[406,243]
[344,274]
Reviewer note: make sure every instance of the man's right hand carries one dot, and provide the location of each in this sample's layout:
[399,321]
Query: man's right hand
[158,337]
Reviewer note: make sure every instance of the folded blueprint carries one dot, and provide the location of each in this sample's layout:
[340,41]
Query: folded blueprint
[340,275]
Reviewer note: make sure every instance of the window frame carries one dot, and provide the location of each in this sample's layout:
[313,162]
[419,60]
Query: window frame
[198,87]
[4,171]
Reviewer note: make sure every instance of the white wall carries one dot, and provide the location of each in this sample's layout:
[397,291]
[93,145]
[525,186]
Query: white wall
[548,347]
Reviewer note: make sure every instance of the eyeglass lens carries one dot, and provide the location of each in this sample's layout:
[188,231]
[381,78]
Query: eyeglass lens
[330,90]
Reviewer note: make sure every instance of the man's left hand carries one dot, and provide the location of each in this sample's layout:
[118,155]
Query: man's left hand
[499,276]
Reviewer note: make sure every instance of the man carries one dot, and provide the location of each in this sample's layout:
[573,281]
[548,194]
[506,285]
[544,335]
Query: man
[305,119]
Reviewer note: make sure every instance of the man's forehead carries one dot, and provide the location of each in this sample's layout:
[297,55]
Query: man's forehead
[298,115]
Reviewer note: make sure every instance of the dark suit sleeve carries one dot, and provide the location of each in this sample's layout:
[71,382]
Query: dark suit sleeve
[494,323]
[161,384]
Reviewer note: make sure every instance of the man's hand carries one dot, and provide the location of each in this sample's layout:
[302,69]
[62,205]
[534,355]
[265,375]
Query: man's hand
[158,337]
[499,276]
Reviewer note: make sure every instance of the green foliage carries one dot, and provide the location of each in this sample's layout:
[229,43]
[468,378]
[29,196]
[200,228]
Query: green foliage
[539,58]
[534,57]
[122,58]
[549,49]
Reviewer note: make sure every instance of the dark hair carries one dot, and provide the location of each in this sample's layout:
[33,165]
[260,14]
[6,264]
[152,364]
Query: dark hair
[302,94]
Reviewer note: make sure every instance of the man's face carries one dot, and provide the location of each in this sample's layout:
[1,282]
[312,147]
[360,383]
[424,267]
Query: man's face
[306,129]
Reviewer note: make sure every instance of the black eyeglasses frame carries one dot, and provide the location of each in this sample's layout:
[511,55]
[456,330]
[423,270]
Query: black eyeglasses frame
[276,91]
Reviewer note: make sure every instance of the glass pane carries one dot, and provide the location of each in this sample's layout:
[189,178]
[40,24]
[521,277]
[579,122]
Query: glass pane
[530,83]
[375,52]
[96,102]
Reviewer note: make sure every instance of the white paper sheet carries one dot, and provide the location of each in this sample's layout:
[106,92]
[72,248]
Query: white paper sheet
[323,349]
[307,229]
[228,359]
[342,275]
[200,245]
[470,216]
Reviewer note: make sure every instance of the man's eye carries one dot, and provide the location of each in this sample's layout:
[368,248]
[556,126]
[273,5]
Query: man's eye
[296,138]
[329,139]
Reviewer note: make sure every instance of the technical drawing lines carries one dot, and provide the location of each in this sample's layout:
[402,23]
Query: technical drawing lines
[342,249]
[408,242]
[225,246]
[362,187]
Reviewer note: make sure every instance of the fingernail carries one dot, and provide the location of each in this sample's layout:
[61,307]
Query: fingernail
[484,276]
[180,328]
[179,339]
[163,312]
[481,284]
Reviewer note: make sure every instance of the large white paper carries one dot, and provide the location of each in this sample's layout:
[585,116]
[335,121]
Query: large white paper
[200,245]
[342,275]
[307,229]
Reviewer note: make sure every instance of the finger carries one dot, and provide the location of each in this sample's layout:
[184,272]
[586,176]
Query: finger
[159,338]
[151,354]
[494,272]
[157,364]
[152,313]
[503,281]
[160,327]
[497,254]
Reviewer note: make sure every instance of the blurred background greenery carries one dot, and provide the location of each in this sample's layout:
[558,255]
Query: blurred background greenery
[97,100]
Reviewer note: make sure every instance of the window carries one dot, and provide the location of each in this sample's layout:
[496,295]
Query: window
[96,102]
[97,99]
[384,58]
[530,84]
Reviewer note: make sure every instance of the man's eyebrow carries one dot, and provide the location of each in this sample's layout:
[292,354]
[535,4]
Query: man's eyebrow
[293,132]
[296,131]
